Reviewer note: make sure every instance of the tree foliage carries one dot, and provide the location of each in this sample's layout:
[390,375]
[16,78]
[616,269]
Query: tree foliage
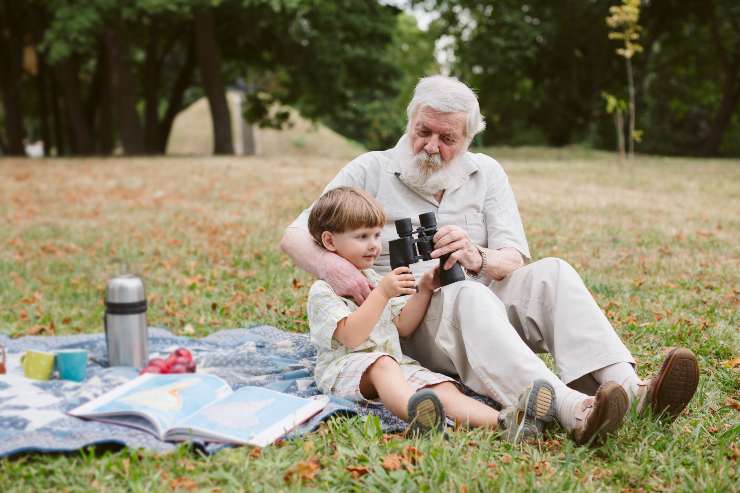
[119,71]
[95,76]
[540,68]
[624,21]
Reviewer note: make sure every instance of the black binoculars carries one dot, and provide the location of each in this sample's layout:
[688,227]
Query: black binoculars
[407,250]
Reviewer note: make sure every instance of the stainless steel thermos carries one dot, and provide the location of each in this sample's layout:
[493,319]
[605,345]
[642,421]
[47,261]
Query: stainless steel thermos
[126,332]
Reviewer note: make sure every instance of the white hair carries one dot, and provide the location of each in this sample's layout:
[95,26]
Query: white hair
[447,95]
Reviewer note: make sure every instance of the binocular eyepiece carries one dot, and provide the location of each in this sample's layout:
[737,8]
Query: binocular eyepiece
[407,250]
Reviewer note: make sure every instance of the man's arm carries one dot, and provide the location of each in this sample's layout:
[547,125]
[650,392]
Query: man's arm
[300,246]
[456,241]
[341,275]
[499,263]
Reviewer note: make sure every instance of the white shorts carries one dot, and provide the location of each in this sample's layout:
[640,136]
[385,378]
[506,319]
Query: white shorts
[347,384]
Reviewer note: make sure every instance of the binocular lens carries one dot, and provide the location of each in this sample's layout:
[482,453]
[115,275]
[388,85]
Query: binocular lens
[403,227]
[428,220]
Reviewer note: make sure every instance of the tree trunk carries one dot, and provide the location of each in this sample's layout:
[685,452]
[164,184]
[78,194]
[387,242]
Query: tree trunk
[730,97]
[631,88]
[56,115]
[209,61]
[104,121]
[249,140]
[95,96]
[11,67]
[123,93]
[174,104]
[152,67]
[81,142]
[41,84]
[619,125]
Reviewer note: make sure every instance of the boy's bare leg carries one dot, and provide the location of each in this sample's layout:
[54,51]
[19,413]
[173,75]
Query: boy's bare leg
[464,409]
[386,380]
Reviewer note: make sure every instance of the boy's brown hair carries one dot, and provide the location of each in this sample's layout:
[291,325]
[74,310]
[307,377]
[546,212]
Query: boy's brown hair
[344,209]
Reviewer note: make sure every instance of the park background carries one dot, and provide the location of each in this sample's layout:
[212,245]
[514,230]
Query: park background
[181,136]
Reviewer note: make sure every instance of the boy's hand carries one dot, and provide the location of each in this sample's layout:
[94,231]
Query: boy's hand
[398,282]
[430,280]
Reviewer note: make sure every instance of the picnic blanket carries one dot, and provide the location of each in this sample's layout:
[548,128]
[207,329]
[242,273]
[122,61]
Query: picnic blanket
[33,413]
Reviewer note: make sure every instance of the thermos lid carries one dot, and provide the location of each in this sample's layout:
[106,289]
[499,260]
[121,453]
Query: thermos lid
[127,288]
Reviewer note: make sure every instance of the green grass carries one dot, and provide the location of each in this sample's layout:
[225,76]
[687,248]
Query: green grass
[656,241]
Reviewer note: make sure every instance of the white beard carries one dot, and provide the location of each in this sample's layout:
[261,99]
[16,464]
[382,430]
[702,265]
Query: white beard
[428,174]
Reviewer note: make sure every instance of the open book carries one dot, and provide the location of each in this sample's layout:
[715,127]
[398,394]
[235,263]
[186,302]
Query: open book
[198,406]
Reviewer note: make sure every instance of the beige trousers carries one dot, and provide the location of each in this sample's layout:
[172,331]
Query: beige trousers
[489,335]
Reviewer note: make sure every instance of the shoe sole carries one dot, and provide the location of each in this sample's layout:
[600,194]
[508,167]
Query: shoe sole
[539,405]
[676,383]
[610,406]
[425,412]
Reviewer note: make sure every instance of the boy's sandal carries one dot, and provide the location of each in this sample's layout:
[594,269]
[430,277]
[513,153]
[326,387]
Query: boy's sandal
[527,420]
[603,414]
[426,413]
[670,391]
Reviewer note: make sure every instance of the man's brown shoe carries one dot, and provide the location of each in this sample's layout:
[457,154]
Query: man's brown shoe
[670,391]
[602,415]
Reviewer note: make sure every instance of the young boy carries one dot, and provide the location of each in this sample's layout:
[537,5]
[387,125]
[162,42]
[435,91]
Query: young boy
[359,351]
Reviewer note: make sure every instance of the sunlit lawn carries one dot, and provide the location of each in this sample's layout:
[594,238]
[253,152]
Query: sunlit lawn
[657,242]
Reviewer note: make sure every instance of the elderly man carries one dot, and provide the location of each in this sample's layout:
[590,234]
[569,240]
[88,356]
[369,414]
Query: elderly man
[487,329]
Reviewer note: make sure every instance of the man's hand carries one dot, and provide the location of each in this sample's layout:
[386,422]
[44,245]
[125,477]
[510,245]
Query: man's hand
[430,280]
[398,282]
[455,241]
[345,279]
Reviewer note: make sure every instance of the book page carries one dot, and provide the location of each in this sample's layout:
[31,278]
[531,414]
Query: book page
[251,415]
[162,399]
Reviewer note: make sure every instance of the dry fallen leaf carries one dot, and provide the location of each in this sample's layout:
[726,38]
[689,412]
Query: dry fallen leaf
[37,330]
[543,467]
[184,484]
[730,402]
[255,453]
[392,462]
[389,437]
[731,363]
[304,470]
[411,454]
[506,459]
[357,471]
[553,444]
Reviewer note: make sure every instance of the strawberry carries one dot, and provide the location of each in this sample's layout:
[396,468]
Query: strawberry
[183,353]
[178,369]
[158,362]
